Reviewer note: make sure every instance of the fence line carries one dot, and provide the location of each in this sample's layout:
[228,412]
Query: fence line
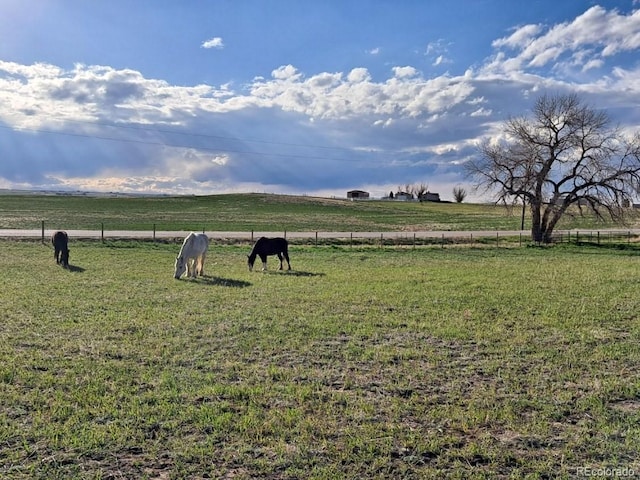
[487,238]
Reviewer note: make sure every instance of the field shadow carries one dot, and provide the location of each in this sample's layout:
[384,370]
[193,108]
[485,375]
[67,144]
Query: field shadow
[295,273]
[631,249]
[75,268]
[223,282]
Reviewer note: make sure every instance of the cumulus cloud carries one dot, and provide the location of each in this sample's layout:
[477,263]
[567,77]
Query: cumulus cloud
[594,35]
[215,42]
[99,128]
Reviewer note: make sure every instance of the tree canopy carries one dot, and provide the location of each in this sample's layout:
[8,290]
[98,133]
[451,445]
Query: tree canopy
[566,154]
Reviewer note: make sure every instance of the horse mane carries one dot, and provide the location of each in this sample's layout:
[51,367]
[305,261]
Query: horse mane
[188,240]
[257,245]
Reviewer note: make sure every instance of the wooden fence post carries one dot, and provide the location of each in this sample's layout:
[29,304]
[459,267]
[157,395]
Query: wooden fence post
[102,232]
[42,231]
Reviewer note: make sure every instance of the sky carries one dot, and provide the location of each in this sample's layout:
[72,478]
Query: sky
[313,97]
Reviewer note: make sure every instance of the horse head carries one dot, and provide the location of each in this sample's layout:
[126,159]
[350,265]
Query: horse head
[181,267]
[250,261]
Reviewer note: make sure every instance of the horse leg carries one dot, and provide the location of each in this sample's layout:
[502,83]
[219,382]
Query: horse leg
[194,268]
[190,267]
[264,262]
[280,258]
[286,257]
[202,259]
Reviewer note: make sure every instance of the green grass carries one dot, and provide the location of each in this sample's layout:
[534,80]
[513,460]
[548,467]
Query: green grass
[258,212]
[359,363]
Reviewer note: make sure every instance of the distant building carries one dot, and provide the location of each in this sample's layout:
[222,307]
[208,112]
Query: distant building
[404,196]
[430,197]
[357,194]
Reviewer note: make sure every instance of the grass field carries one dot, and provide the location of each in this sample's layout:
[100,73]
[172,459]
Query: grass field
[247,212]
[359,363]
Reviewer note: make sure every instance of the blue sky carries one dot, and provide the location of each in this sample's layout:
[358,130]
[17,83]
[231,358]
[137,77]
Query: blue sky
[300,97]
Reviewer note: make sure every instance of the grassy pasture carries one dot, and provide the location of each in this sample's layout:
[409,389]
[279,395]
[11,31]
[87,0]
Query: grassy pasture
[359,363]
[246,212]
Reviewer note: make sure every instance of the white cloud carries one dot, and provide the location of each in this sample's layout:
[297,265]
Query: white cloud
[215,42]
[438,51]
[404,72]
[597,32]
[294,131]
[440,60]
[520,38]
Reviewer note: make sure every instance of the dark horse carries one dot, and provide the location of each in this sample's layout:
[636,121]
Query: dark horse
[269,246]
[61,249]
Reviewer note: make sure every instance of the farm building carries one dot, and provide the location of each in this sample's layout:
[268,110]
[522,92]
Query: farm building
[404,196]
[430,197]
[357,194]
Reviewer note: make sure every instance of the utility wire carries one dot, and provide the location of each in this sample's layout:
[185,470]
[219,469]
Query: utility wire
[189,134]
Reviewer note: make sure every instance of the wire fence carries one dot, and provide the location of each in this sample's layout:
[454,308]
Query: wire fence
[498,238]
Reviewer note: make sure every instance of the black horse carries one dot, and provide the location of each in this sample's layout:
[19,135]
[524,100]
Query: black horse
[269,246]
[61,249]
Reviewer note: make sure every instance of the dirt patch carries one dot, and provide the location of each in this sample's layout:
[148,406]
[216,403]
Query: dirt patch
[627,406]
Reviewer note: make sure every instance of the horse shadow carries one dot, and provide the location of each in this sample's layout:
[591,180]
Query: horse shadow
[295,273]
[222,282]
[74,268]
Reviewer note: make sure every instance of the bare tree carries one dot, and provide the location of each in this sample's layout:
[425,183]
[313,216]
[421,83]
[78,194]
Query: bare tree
[459,194]
[419,190]
[566,156]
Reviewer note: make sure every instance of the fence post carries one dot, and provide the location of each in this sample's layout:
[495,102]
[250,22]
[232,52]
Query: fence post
[42,231]
[381,239]
[497,239]
[102,232]
[316,238]
[251,236]
[442,244]
[285,234]
[154,232]
[351,240]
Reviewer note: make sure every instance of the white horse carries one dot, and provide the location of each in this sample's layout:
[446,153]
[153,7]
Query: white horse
[192,255]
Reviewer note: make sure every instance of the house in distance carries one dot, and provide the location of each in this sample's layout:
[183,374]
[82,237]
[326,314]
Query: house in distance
[351,194]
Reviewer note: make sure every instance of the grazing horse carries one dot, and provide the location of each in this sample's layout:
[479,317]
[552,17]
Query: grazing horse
[60,248]
[269,246]
[192,255]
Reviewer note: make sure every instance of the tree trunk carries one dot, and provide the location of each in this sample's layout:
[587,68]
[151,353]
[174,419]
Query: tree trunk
[536,223]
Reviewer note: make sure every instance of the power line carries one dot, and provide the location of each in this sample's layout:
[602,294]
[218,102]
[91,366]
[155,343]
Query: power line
[172,145]
[187,134]
[206,135]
